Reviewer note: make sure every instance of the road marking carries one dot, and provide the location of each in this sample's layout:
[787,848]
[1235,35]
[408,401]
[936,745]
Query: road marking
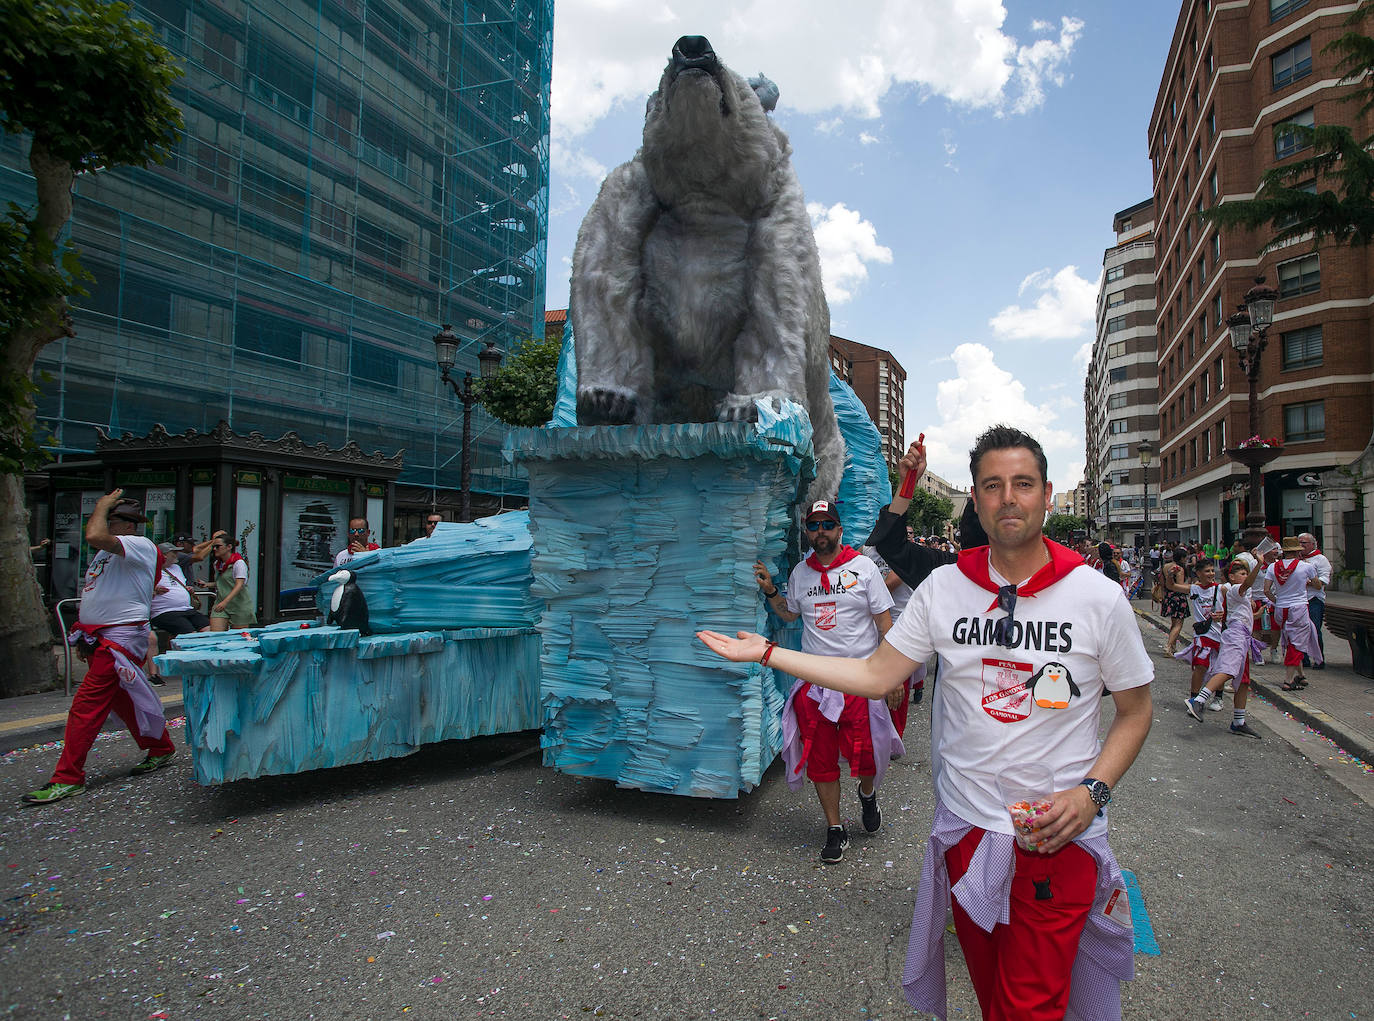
[41,721]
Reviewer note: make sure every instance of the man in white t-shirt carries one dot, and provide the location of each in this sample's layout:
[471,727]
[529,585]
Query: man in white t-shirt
[1028,637]
[1289,582]
[112,635]
[359,541]
[844,606]
[1316,593]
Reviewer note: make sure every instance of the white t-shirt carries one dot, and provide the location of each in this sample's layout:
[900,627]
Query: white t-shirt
[1236,601]
[1323,569]
[839,622]
[176,598]
[1070,639]
[1294,591]
[119,590]
[901,594]
[1203,601]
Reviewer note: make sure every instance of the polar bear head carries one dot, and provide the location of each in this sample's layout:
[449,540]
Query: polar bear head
[706,131]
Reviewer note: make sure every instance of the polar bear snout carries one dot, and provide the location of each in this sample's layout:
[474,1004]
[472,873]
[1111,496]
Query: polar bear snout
[694,52]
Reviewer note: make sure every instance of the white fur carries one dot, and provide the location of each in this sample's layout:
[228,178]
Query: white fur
[696,284]
[339,578]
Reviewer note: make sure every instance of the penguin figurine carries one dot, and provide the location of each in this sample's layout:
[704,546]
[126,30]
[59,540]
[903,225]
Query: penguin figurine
[1056,686]
[348,605]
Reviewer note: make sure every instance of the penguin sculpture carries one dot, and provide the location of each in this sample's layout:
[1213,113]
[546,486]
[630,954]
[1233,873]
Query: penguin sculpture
[1056,686]
[348,605]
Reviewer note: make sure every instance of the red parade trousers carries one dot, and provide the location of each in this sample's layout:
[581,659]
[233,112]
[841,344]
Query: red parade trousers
[1021,970]
[98,694]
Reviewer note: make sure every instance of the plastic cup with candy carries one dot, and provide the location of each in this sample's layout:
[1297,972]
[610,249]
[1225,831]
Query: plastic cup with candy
[1027,789]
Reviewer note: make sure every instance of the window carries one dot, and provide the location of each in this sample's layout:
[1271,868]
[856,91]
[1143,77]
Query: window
[1206,446]
[271,194]
[331,222]
[1120,452]
[381,244]
[1289,219]
[1118,324]
[1192,398]
[220,52]
[1116,273]
[1212,187]
[1115,298]
[378,365]
[264,333]
[210,165]
[1293,63]
[1216,308]
[1220,432]
[1300,276]
[1218,370]
[1118,425]
[1206,386]
[1117,375]
[1289,136]
[1281,8]
[1192,452]
[1211,124]
[1302,349]
[1202,270]
[1304,422]
[1216,249]
[1116,401]
[1116,350]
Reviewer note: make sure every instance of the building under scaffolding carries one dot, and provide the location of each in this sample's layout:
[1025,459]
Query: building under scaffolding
[352,174]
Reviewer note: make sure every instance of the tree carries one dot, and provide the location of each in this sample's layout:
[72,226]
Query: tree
[1062,526]
[1340,204]
[91,87]
[523,390]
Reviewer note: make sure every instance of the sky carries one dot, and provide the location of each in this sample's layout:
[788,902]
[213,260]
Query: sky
[962,161]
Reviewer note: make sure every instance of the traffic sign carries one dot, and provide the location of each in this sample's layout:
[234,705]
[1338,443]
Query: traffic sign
[1309,479]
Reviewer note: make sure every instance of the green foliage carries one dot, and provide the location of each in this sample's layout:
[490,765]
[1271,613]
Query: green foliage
[523,390]
[1342,206]
[1062,526]
[33,281]
[89,81]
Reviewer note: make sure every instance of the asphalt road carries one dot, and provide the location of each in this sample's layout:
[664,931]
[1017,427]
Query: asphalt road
[470,881]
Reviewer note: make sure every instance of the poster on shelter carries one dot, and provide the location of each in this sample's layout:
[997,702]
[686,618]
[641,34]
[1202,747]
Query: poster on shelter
[314,527]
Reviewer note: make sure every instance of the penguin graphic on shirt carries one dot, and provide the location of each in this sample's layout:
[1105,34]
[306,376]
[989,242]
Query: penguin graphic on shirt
[1056,686]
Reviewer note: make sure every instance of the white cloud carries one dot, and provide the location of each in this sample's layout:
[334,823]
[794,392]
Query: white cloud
[830,126]
[847,243]
[866,139]
[1063,309]
[611,52]
[570,161]
[980,395]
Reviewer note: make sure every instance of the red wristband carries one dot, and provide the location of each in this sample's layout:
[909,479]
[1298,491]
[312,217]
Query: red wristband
[763,661]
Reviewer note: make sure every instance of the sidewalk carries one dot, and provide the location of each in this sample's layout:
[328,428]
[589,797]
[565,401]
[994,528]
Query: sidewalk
[1337,703]
[28,720]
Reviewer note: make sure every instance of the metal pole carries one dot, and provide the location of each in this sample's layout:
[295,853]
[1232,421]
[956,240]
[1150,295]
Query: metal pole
[1255,517]
[466,396]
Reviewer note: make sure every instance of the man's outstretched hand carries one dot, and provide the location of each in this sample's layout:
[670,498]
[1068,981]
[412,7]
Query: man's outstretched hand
[745,647]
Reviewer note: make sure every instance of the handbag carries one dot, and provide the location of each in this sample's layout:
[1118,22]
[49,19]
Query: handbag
[1157,591]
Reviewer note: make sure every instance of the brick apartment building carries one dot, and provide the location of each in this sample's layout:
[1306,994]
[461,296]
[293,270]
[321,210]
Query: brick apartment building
[1121,390]
[877,377]
[1236,75]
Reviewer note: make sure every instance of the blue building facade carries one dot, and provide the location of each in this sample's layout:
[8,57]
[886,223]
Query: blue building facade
[352,174]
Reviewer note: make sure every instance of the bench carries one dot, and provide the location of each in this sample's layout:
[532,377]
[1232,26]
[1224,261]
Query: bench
[1356,626]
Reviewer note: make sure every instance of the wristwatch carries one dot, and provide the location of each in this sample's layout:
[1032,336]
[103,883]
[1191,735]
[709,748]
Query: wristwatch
[1098,791]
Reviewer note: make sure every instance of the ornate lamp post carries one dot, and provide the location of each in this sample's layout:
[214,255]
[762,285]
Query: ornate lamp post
[1146,449]
[1107,500]
[446,344]
[1249,336]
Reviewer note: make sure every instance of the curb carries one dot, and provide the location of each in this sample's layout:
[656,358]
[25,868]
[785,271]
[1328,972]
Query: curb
[46,733]
[1323,723]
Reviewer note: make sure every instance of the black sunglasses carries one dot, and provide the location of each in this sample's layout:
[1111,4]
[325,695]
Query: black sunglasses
[1006,601]
[829,526]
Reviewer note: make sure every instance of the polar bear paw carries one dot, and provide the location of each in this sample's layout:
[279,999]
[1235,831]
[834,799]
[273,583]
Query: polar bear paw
[744,407]
[606,405]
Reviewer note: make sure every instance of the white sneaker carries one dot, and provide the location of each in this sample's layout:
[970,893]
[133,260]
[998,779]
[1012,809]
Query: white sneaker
[1228,688]
[1215,704]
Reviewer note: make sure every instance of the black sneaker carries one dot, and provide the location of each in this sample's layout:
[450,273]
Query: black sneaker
[836,841]
[873,818]
[1243,729]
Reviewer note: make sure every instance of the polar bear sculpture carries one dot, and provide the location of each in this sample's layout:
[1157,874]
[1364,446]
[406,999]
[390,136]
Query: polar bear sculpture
[696,284]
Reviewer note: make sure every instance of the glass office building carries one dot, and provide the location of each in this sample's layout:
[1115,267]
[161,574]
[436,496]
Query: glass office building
[352,174]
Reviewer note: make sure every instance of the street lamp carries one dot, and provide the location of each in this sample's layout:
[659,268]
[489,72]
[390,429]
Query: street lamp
[1146,449]
[1107,499]
[1249,336]
[446,344]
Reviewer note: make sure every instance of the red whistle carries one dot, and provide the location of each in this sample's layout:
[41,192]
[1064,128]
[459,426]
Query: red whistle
[908,489]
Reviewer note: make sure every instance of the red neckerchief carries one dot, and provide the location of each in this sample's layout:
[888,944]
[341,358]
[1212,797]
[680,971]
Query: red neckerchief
[846,554]
[223,565]
[974,564]
[1314,553]
[1281,573]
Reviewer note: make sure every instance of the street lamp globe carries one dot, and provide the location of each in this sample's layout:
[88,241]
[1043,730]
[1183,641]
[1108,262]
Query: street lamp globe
[446,348]
[1146,450]
[1239,325]
[489,360]
[1259,302]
